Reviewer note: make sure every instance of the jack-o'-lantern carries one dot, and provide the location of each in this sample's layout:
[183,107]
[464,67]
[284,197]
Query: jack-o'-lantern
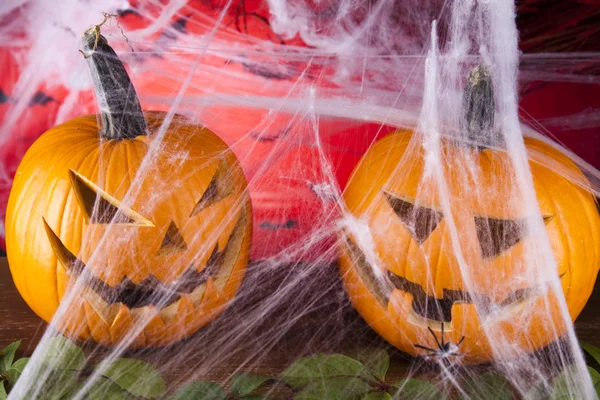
[136,219]
[440,285]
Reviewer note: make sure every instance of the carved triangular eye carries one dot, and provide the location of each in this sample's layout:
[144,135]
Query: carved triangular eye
[99,206]
[172,242]
[420,221]
[208,198]
[498,235]
[220,186]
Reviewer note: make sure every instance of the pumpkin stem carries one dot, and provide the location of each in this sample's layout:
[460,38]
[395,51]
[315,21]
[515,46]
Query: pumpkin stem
[478,109]
[121,114]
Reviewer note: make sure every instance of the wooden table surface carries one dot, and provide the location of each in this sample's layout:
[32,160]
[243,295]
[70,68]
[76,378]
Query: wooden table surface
[307,312]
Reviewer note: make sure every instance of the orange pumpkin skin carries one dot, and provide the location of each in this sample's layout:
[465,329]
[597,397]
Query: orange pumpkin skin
[167,192]
[395,166]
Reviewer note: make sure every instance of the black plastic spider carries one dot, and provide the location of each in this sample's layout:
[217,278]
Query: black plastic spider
[444,350]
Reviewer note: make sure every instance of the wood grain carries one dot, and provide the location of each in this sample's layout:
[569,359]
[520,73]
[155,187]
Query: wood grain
[307,312]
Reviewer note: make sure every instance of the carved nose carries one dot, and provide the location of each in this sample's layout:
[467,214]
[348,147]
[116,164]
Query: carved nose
[172,242]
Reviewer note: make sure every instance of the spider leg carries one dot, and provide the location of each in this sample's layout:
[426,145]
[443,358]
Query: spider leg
[460,341]
[435,337]
[425,348]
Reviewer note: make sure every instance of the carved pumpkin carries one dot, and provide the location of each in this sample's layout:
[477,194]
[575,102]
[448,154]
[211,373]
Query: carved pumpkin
[155,227]
[406,278]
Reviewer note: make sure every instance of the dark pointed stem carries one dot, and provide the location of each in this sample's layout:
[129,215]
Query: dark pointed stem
[120,110]
[479,109]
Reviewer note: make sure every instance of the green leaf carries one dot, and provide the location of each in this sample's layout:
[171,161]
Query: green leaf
[243,383]
[14,372]
[3,394]
[201,390]
[136,376]
[489,386]
[567,380]
[538,392]
[61,353]
[58,383]
[108,392]
[376,360]
[338,388]
[307,369]
[102,389]
[378,396]
[592,351]
[7,355]
[61,360]
[409,389]
[595,375]
[257,397]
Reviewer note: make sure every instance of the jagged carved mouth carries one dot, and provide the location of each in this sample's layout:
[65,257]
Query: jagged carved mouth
[440,310]
[151,291]
[429,310]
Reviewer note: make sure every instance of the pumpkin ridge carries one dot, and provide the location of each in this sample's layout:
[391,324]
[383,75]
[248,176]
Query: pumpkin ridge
[57,262]
[381,292]
[71,196]
[17,207]
[582,204]
[59,217]
[567,246]
[438,270]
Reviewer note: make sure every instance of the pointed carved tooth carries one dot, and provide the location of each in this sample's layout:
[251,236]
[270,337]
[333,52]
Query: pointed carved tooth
[211,293]
[197,294]
[99,329]
[187,310]
[168,313]
[105,311]
[211,306]
[184,317]
[123,326]
[155,330]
